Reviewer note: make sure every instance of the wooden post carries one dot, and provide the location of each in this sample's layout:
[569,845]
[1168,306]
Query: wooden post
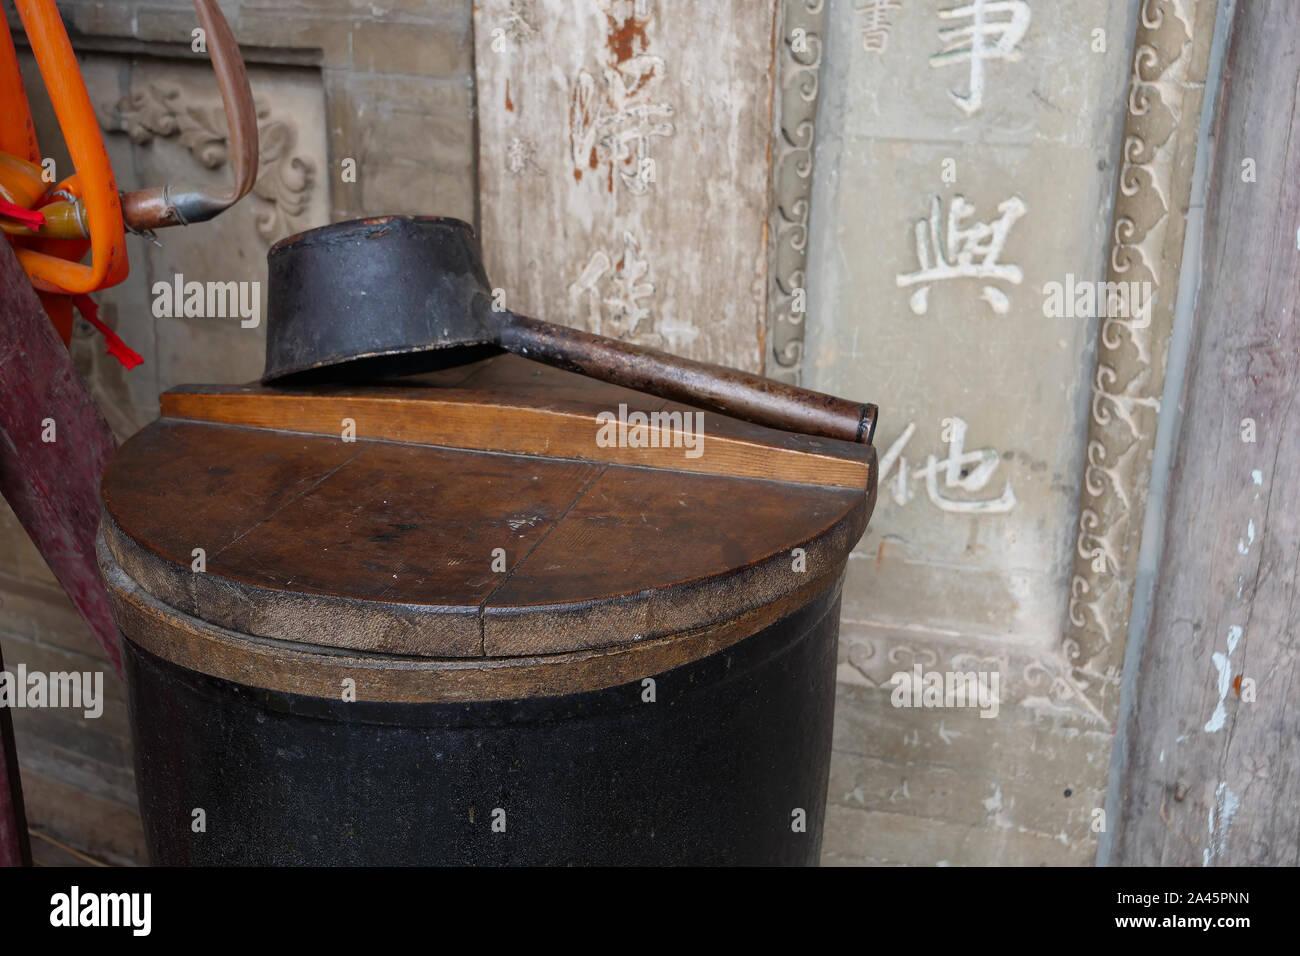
[54,447]
[14,847]
[1213,767]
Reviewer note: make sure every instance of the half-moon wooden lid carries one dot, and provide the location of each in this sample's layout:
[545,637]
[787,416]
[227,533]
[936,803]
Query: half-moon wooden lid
[472,513]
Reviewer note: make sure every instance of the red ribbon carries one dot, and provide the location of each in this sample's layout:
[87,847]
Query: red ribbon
[116,347]
[31,218]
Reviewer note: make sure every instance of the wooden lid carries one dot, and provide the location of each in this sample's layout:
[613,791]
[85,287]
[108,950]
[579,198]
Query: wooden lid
[475,515]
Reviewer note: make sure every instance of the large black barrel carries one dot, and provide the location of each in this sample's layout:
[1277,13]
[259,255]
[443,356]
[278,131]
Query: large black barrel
[727,765]
[379,652]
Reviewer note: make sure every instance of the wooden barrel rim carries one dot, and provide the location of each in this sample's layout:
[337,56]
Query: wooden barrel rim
[320,671]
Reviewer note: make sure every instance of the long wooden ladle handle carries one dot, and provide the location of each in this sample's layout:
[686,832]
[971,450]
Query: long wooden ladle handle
[726,390]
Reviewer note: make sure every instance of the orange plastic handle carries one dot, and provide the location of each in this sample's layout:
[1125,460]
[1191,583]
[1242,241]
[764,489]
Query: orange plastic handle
[17,132]
[62,76]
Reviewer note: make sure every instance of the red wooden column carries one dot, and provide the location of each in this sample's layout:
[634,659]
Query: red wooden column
[52,486]
[14,847]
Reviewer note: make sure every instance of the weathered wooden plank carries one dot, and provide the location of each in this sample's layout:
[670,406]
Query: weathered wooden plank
[624,167]
[1213,769]
[104,737]
[526,423]
[44,613]
[51,851]
[97,825]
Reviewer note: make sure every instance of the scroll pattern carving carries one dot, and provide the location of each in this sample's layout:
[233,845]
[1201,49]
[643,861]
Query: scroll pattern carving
[285,178]
[1163,109]
[869,657]
[795,95]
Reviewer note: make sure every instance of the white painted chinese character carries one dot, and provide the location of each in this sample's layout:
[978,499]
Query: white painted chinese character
[615,125]
[617,292]
[614,119]
[970,252]
[876,25]
[519,156]
[519,22]
[970,43]
[968,471]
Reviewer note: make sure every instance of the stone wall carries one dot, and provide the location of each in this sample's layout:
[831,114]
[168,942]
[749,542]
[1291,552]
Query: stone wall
[954,189]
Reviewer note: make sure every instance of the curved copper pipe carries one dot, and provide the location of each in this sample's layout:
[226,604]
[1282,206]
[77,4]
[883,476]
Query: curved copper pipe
[182,204]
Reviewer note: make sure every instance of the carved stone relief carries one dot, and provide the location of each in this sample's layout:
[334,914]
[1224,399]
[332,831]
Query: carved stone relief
[962,154]
[933,233]
[794,107]
[1160,127]
[285,176]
